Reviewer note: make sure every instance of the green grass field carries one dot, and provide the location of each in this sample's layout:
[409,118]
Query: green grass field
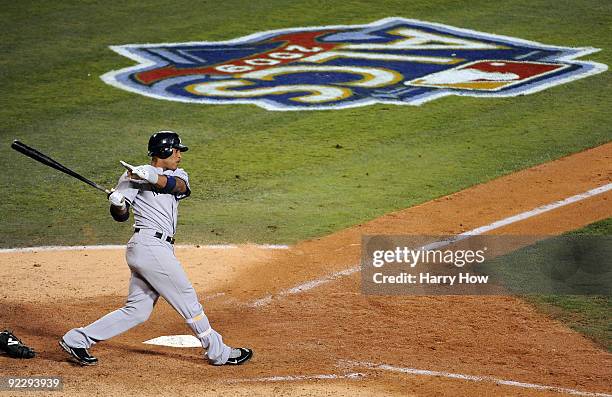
[293,183]
[590,315]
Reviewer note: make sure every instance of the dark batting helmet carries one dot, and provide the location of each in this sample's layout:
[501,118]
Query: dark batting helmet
[162,142]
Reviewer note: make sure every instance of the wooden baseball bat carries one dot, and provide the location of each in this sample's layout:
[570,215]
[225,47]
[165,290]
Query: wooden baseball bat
[48,161]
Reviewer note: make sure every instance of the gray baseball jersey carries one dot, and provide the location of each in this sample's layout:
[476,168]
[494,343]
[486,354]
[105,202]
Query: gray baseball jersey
[153,210]
[155,272]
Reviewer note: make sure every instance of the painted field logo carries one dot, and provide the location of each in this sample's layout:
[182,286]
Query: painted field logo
[394,60]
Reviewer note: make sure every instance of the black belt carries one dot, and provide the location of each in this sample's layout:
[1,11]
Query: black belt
[158,235]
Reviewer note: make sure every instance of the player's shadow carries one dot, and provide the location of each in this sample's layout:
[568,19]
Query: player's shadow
[179,356]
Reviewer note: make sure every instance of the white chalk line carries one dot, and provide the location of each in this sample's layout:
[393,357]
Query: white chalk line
[305,286]
[421,372]
[438,244]
[297,378]
[120,247]
[477,378]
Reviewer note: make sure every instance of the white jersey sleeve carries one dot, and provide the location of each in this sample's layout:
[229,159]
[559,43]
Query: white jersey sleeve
[180,173]
[127,187]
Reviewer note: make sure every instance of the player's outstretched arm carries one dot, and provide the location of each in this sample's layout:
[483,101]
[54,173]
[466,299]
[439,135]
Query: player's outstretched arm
[164,183]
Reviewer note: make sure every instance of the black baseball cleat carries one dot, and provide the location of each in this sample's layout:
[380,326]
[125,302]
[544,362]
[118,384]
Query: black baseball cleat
[81,355]
[14,347]
[239,356]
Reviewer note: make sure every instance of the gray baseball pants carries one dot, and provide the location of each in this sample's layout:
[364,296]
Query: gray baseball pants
[155,272]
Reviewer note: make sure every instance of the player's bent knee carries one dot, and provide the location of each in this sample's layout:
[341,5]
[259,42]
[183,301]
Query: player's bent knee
[138,314]
[140,318]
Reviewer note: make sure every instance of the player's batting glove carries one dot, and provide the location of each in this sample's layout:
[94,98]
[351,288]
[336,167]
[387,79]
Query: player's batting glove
[147,173]
[117,199]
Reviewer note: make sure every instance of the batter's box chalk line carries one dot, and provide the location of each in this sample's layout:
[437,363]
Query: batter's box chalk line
[439,244]
[47,248]
[471,378]
[298,378]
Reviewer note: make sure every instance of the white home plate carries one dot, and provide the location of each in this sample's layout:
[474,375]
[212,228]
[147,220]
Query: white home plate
[175,341]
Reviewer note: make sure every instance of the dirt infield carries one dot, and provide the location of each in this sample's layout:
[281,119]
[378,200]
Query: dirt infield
[328,338]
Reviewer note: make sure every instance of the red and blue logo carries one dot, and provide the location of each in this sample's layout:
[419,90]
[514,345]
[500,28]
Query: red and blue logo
[393,60]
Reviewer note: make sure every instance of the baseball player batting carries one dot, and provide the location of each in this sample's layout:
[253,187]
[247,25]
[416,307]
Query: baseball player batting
[153,192]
